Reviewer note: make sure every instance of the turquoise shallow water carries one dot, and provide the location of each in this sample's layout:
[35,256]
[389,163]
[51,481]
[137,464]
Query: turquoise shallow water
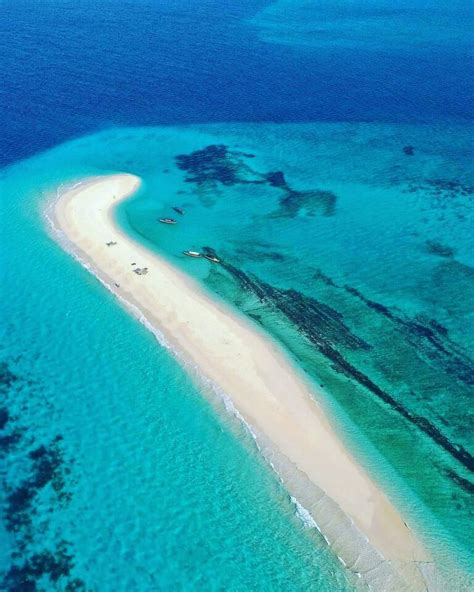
[119,474]
[351,243]
[355,254]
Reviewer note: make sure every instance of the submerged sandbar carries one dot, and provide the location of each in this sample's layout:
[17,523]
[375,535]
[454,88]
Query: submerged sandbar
[353,513]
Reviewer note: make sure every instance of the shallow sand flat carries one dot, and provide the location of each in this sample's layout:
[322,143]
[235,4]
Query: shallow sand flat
[361,524]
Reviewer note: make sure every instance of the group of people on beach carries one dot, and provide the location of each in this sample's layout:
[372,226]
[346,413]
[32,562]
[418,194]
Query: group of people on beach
[137,270]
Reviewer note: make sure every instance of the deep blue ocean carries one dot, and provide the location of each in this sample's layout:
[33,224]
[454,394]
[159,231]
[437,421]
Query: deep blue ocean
[70,68]
[324,150]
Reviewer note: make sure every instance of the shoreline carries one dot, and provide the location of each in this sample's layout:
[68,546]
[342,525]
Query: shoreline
[352,513]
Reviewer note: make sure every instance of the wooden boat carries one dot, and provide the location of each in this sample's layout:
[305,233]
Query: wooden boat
[167,221]
[192,253]
[212,258]
[179,210]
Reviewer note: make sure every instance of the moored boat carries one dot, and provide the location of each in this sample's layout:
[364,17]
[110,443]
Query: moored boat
[210,254]
[167,220]
[192,253]
[212,258]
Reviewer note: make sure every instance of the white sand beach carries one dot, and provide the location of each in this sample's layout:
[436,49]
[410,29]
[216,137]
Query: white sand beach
[358,520]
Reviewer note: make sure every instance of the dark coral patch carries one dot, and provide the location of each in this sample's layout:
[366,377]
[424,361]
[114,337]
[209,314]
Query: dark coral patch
[258,252]
[441,190]
[32,565]
[317,321]
[211,164]
[324,327]
[217,164]
[451,187]
[10,435]
[9,441]
[47,565]
[437,248]
[320,276]
[312,201]
[276,179]
[4,418]
[263,255]
[7,377]
[429,337]
[45,469]
[467,485]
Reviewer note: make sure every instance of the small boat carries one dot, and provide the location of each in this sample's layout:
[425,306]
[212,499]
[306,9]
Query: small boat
[179,210]
[212,258]
[192,253]
[167,221]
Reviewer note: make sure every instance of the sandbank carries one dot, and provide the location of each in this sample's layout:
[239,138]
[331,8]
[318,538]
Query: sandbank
[357,519]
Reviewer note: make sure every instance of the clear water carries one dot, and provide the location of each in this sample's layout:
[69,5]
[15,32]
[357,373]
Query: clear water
[118,472]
